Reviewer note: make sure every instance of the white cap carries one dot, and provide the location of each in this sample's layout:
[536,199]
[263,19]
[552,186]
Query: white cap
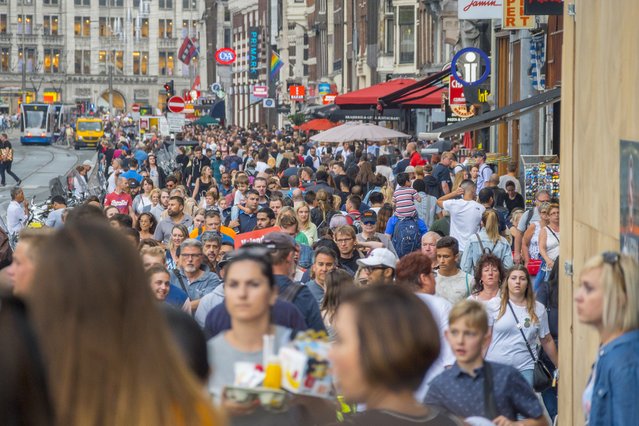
[409,169]
[379,257]
[87,163]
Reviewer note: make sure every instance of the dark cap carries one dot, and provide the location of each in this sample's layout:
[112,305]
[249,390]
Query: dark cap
[369,216]
[225,259]
[133,183]
[279,241]
[479,153]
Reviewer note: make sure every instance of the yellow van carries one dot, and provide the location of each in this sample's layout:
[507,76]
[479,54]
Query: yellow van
[88,132]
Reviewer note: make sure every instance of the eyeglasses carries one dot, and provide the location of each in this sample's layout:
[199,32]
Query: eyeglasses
[344,241]
[191,255]
[613,258]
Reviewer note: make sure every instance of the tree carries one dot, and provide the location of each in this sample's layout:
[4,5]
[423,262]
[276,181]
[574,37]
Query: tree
[297,119]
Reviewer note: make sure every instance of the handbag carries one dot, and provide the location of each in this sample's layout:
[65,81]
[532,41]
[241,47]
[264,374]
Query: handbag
[542,378]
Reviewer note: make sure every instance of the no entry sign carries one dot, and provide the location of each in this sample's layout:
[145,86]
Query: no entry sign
[176,104]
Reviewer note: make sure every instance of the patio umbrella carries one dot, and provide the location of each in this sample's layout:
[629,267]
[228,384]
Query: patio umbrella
[317,124]
[356,131]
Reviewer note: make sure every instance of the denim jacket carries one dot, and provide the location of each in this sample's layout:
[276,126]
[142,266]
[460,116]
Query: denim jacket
[614,395]
[473,251]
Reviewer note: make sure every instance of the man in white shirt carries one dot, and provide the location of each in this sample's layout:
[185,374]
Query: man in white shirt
[17,212]
[465,214]
[451,283]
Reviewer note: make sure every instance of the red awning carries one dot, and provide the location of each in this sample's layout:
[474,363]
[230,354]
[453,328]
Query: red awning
[371,95]
[425,97]
[317,124]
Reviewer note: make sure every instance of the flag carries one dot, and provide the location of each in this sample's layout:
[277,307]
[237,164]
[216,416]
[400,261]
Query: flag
[276,64]
[196,83]
[187,51]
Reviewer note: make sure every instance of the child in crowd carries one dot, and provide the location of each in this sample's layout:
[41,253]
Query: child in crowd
[405,197]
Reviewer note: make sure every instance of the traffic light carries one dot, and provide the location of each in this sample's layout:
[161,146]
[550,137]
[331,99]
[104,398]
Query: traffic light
[168,87]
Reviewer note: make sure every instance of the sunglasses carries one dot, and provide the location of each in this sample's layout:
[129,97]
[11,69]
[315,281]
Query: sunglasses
[613,259]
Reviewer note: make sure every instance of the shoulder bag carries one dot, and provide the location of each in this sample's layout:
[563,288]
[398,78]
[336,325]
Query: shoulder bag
[542,378]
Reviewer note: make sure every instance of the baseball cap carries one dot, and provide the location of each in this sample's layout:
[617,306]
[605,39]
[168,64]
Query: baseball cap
[279,241]
[87,163]
[479,153]
[133,183]
[369,216]
[409,169]
[379,257]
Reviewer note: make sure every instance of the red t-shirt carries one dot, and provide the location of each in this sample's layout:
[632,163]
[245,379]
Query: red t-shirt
[122,201]
[417,160]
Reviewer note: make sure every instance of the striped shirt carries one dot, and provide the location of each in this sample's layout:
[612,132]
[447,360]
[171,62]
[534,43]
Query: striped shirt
[404,198]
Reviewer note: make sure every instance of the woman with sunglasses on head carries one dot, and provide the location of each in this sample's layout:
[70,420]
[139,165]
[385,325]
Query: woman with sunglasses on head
[515,315]
[608,300]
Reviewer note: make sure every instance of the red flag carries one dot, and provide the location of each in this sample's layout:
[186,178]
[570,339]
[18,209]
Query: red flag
[187,51]
[196,83]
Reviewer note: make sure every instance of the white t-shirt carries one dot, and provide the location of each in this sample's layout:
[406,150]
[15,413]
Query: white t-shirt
[505,179]
[385,171]
[454,288]
[465,218]
[261,166]
[507,345]
[440,309]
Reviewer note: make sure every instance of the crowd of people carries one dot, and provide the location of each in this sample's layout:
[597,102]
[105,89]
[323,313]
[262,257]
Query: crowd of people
[437,289]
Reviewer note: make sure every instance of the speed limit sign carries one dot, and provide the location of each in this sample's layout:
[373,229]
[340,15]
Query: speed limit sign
[225,56]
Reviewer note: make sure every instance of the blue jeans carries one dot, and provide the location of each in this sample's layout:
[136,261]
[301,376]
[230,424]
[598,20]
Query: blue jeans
[541,276]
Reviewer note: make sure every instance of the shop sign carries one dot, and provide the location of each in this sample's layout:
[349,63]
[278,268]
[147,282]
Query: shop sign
[480,9]
[329,98]
[297,92]
[456,92]
[254,53]
[514,17]
[323,88]
[225,56]
[544,7]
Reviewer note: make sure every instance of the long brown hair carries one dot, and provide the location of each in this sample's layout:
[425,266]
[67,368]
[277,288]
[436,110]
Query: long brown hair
[337,283]
[529,295]
[109,355]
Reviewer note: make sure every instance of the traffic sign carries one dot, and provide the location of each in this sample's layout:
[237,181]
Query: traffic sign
[225,56]
[175,121]
[176,104]
[260,91]
[135,108]
[216,87]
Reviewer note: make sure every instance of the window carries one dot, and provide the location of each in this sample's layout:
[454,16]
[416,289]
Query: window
[390,35]
[185,28]
[118,59]
[5,53]
[406,34]
[110,26]
[25,24]
[227,15]
[47,2]
[82,26]
[51,63]
[50,25]
[166,28]
[83,62]
[165,63]
[144,28]
[166,4]
[102,60]
[82,2]
[189,4]
[3,23]
[140,63]
[227,37]
[111,3]
[30,59]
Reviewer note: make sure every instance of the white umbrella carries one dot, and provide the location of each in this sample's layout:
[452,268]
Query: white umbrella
[356,131]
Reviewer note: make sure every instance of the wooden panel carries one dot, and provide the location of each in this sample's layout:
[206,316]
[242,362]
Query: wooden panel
[599,107]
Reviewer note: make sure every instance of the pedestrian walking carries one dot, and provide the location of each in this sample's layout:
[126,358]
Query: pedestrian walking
[6,160]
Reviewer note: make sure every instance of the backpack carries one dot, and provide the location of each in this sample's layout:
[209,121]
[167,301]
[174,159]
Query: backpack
[406,236]
[485,250]
[290,293]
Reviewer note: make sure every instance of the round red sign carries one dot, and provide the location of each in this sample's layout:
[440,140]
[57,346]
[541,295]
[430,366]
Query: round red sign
[175,104]
[225,56]
[135,107]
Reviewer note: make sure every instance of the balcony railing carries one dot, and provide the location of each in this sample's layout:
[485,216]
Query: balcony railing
[5,38]
[53,40]
[167,43]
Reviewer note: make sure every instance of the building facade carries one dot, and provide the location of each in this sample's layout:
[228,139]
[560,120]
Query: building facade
[98,53]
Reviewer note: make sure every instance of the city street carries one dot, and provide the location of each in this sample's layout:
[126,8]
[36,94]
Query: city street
[36,165]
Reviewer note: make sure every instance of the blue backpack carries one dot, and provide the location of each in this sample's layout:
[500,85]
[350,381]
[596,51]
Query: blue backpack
[406,236]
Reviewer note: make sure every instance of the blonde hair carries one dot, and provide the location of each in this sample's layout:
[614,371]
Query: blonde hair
[621,291]
[491,225]
[472,312]
[459,177]
[285,211]
[298,206]
[35,238]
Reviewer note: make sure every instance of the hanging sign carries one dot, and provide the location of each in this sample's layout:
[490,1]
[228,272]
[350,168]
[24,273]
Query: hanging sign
[480,9]
[225,56]
[544,7]
[514,17]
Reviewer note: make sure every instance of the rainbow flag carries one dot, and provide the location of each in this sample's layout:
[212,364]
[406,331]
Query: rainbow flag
[276,64]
